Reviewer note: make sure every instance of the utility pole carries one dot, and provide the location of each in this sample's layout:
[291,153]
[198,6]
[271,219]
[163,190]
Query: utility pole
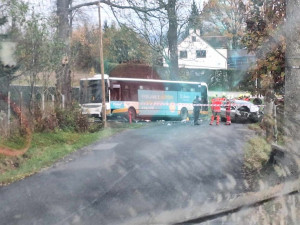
[102,67]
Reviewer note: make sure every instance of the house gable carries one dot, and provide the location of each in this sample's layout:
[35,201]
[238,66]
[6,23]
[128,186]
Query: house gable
[195,53]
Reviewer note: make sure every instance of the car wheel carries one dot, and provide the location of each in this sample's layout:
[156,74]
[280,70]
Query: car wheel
[184,114]
[234,119]
[254,120]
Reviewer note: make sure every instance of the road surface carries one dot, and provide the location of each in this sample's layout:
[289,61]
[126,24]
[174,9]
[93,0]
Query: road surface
[154,174]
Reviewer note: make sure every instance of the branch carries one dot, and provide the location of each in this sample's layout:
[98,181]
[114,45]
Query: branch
[108,2]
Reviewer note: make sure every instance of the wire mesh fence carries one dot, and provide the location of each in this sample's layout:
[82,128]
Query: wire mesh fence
[32,102]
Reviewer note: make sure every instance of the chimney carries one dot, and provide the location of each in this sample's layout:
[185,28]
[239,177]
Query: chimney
[191,31]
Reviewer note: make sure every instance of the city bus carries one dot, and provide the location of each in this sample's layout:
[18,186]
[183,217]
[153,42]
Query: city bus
[142,97]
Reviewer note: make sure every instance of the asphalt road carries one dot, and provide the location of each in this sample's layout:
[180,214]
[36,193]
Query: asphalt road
[155,174]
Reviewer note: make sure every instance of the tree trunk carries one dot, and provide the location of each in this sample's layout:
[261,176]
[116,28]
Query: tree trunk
[268,111]
[292,75]
[63,74]
[172,39]
[269,118]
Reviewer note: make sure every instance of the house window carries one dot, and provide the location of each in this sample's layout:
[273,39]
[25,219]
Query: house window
[183,54]
[193,39]
[201,53]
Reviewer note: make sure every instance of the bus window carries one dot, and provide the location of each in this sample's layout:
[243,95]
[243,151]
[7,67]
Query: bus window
[125,95]
[173,87]
[185,87]
[90,91]
[134,92]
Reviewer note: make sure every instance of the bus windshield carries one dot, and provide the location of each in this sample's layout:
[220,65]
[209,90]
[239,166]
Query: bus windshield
[90,91]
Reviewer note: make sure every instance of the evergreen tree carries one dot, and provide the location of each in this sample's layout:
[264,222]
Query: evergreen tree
[194,19]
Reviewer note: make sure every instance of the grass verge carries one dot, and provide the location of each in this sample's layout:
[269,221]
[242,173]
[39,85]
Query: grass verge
[257,153]
[257,128]
[48,148]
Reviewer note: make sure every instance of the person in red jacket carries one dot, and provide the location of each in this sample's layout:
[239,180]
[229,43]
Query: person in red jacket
[228,109]
[216,110]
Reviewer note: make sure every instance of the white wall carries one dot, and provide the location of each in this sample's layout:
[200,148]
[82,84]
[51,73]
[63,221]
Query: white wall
[215,59]
[7,50]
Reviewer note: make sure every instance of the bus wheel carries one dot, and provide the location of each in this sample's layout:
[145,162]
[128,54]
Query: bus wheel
[184,114]
[133,113]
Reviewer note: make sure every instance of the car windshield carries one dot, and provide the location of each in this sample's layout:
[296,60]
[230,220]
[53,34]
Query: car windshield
[149,112]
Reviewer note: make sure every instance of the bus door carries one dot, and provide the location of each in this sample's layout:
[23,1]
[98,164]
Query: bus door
[115,98]
[115,92]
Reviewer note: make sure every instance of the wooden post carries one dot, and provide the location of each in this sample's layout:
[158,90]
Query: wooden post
[21,104]
[8,112]
[275,123]
[102,67]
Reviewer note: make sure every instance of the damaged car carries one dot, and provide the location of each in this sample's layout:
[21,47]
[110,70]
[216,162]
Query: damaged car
[242,110]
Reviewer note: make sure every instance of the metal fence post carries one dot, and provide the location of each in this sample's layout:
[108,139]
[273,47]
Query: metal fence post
[43,102]
[53,101]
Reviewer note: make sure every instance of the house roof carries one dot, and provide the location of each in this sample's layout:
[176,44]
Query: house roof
[217,41]
[134,71]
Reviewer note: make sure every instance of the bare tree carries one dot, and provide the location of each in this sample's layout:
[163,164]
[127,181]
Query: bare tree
[159,22]
[227,17]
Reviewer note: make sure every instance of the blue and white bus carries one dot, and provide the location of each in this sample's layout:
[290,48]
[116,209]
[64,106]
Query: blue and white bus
[142,97]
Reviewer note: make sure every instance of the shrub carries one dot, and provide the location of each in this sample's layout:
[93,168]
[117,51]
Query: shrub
[94,127]
[73,120]
[82,123]
[257,152]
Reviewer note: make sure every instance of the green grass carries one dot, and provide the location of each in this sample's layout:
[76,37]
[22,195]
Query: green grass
[14,142]
[48,148]
[257,128]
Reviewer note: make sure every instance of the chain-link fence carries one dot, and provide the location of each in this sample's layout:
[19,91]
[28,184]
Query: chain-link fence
[31,102]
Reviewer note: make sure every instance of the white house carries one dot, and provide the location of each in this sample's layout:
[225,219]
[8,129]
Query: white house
[7,50]
[195,53]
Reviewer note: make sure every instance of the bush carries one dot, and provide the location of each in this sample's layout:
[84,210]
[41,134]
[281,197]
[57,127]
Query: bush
[257,153]
[94,127]
[73,120]
[65,119]
[46,124]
